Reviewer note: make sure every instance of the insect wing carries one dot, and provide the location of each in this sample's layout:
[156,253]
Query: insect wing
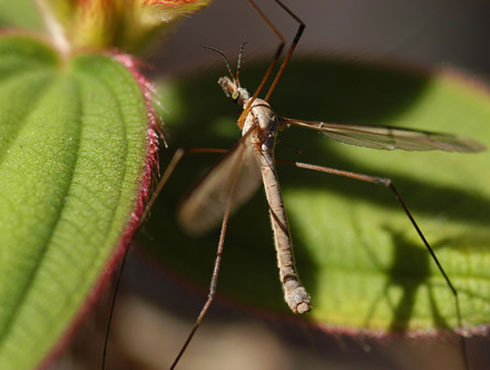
[204,208]
[389,138]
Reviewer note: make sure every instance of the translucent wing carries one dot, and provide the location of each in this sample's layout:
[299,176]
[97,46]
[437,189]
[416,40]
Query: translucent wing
[389,138]
[204,208]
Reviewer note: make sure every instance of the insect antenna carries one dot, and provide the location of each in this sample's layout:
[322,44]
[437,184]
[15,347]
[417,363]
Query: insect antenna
[239,62]
[219,51]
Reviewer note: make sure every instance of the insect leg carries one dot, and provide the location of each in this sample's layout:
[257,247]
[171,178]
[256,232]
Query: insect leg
[389,184]
[274,61]
[217,265]
[299,32]
[177,157]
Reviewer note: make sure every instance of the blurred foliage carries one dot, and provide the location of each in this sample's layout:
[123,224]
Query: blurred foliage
[20,13]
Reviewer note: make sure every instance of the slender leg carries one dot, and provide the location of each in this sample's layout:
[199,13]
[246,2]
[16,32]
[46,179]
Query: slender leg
[268,73]
[178,155]
[299,32]
[389,184]
[275,59]
[217,265]
[113,304]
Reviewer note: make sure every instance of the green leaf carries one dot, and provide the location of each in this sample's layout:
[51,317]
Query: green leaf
[73,146]
[356,251]
[20,13]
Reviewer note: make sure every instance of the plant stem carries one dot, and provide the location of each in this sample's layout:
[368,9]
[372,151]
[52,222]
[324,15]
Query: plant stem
[55,29]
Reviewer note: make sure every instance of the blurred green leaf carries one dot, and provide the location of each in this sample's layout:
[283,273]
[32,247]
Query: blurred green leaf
[20,13]
[356,251]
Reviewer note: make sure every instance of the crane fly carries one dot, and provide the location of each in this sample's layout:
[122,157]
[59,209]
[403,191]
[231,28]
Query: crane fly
[251,162]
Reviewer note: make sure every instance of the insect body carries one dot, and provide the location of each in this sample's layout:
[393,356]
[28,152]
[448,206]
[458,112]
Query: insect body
[256,157]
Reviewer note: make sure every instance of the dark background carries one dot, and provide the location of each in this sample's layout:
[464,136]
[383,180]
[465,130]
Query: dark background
[430,32]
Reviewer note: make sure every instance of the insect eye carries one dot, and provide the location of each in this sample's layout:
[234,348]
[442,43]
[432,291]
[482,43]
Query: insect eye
[235,95]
